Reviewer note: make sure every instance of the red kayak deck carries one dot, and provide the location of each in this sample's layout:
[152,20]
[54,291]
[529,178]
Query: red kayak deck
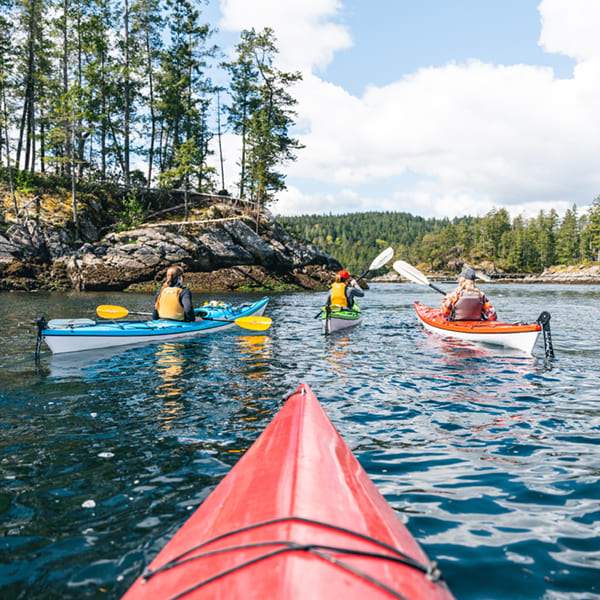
[297,517]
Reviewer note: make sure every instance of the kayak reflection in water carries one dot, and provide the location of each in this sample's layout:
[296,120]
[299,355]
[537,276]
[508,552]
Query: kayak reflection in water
[467,302]
[343,291]
[174,301]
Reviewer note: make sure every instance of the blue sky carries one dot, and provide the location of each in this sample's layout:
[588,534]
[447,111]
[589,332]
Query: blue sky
[436,107]
[392,38]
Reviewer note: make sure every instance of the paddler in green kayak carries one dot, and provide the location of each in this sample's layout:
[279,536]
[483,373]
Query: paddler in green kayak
[174,301]
[467,302]
[343,291]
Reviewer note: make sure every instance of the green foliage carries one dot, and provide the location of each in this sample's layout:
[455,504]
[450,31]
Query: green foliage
[261,112]
[24,182]
[520,245]
[133,214]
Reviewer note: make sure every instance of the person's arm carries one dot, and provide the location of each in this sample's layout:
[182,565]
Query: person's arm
[356,289]
[353,290]
[489,313]
[186,301]
[155,316]
[448,303]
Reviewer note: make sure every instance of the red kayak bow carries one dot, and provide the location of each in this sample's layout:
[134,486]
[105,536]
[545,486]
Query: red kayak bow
[297,517]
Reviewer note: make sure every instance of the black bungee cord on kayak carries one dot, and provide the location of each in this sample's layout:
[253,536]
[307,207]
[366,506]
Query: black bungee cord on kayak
[431,570]
[544,321]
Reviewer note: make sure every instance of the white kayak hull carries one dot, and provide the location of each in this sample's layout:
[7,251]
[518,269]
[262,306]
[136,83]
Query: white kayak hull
[524,342]
[340,318]
[521,337]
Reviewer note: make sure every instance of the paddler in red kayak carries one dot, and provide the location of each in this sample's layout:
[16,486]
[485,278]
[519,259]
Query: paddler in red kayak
[467,302]
[174,301]
[344,290]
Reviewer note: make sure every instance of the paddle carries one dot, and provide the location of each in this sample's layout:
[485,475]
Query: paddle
[409,272]
[256,323]
[377,263]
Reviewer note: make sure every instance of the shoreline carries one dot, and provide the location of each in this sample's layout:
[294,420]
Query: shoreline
[585,275]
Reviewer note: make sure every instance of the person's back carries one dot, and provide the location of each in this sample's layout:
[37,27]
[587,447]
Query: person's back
[341,293]
[174,301]
[468,307]
[467,302]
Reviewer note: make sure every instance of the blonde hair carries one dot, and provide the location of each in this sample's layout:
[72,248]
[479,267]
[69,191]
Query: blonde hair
[173,274]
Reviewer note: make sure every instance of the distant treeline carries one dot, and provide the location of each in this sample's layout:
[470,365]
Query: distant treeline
[517,245]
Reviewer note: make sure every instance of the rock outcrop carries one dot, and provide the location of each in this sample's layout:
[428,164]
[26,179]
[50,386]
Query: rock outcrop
[572,274]
[226,255]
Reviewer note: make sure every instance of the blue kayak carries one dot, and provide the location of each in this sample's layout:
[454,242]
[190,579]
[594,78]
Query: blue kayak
[72,335]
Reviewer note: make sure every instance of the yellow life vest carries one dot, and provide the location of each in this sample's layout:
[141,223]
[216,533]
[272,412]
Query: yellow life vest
[338,294]
[168,304]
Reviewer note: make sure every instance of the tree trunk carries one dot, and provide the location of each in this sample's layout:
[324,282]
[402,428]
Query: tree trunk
[126,123]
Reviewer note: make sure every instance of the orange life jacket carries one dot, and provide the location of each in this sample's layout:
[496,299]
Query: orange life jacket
[468,307]
[338,294]
[168,304]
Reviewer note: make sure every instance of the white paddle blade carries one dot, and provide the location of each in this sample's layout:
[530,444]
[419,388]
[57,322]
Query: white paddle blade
[380,260]
[409,272]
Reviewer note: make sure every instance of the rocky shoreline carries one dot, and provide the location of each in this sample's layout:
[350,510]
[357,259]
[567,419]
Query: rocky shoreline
[582,274]
[218,254]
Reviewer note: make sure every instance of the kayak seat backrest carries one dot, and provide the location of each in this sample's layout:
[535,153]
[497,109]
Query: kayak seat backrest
[468,307]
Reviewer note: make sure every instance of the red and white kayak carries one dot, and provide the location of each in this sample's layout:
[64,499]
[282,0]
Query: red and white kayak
[518,336]
[297,517]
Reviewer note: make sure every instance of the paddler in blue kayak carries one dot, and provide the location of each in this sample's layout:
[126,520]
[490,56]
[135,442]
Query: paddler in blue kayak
[174,300]
[344,291]
[467,302]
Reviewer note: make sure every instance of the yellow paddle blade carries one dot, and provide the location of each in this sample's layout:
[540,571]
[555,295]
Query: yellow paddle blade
[107,311]
[255,323]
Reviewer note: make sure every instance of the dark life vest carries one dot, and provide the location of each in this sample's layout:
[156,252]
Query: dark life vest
[468,307]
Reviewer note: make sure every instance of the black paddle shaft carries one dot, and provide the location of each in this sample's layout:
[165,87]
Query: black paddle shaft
[437,289]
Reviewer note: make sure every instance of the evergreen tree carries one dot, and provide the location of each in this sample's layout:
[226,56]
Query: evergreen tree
[147,25]
[590,234]
[262,112]
[567,239]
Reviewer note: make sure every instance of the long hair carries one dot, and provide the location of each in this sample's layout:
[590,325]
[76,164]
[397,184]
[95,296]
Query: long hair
[173,274]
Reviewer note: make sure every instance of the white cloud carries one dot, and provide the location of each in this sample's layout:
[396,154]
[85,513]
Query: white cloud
[571,27]
[475,135]
[306,36]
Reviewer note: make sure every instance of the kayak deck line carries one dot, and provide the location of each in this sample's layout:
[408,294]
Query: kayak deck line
[430,570]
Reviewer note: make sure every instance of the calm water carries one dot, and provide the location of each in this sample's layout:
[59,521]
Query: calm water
[492,460]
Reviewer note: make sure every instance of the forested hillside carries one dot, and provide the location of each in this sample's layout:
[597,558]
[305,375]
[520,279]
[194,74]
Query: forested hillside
[517,245]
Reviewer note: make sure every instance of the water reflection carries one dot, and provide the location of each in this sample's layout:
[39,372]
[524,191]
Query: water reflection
[169,365]
[338,354]
[256,351]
